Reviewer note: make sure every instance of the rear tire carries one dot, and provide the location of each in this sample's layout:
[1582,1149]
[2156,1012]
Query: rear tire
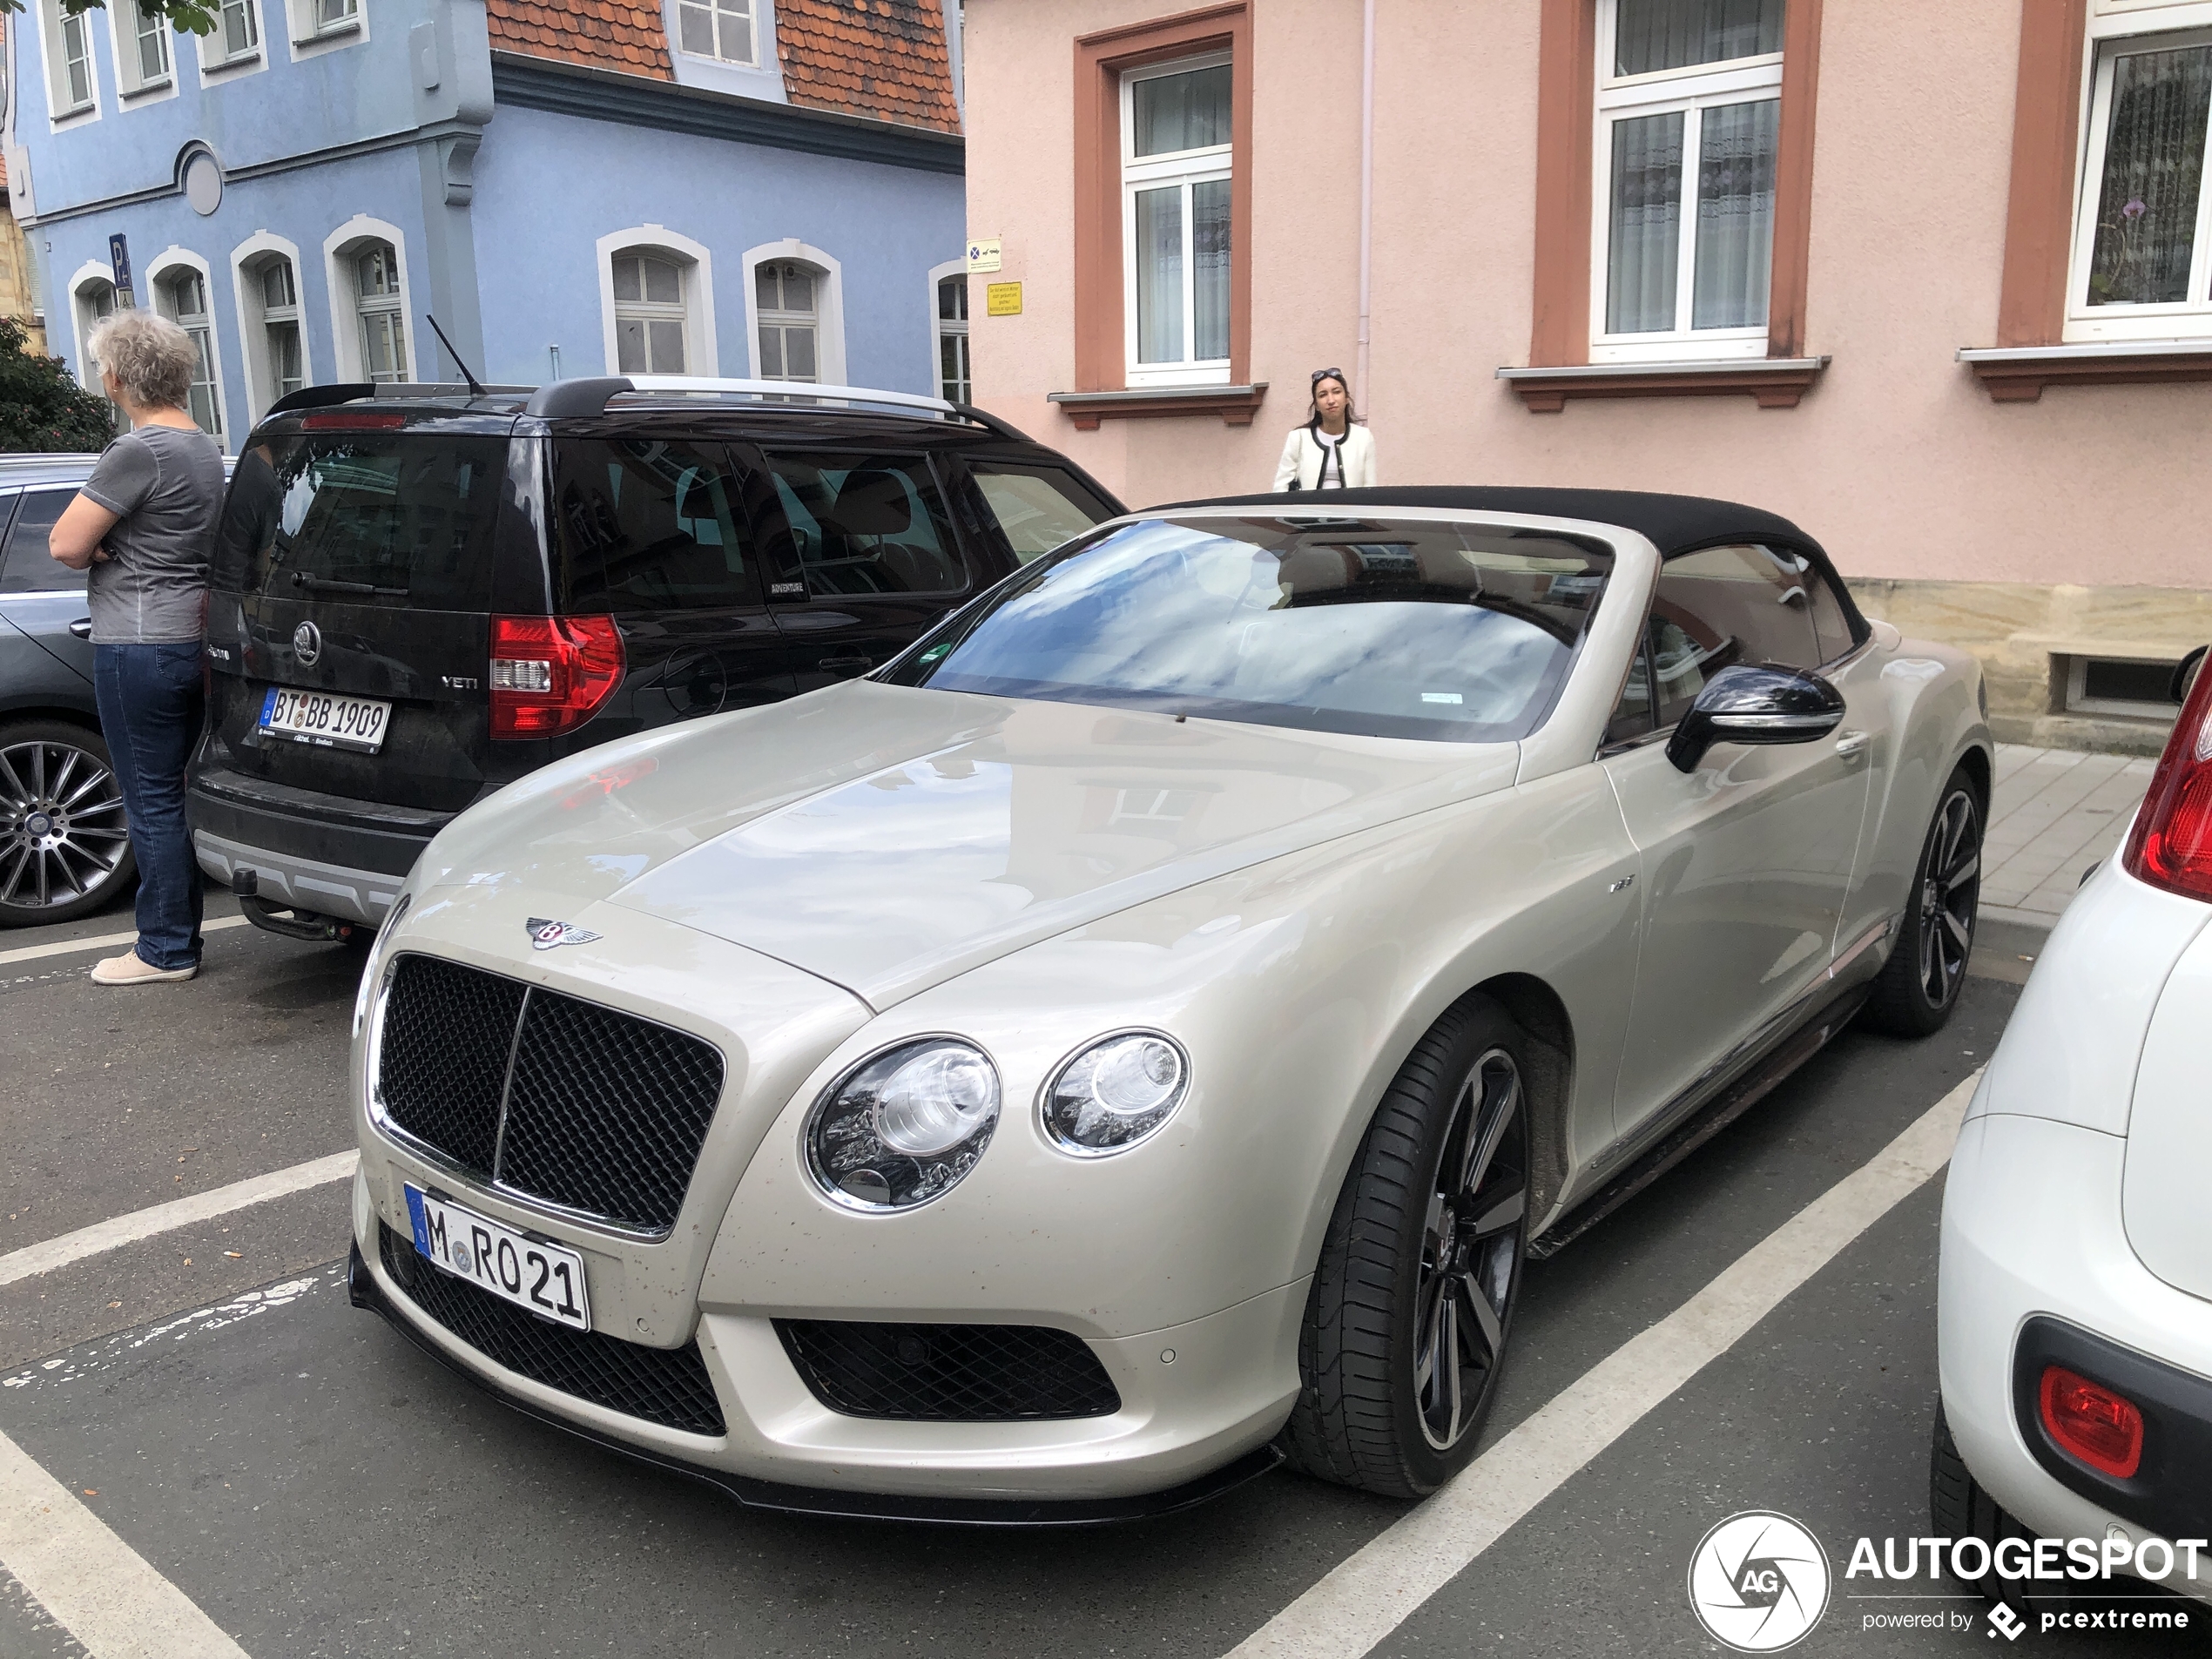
[1961,1508]
[1920,984]
[1412,1298]
[65,847]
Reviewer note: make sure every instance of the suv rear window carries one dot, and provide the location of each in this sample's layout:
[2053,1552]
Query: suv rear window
[381,518]
[649,524]
[868,524]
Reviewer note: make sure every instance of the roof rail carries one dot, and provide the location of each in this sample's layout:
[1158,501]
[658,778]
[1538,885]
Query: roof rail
[590,396]
[991,422]
[323,397]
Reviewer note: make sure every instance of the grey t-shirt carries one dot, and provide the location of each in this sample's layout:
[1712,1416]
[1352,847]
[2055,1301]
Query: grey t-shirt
[165,484]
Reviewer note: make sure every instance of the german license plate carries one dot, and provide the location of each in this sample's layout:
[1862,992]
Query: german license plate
[324,718]
[546,1278]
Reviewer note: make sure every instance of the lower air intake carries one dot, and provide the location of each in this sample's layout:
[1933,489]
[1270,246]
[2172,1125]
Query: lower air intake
[948,1374]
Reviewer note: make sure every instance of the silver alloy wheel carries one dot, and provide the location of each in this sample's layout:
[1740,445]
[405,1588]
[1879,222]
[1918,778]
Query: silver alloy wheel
[1471,1251]
[1950,886]
[62,829]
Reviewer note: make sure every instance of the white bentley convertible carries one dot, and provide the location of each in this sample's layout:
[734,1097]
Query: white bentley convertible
[1138,1034]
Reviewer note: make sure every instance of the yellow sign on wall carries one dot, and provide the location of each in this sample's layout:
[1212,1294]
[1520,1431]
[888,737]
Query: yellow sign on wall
[1002,299]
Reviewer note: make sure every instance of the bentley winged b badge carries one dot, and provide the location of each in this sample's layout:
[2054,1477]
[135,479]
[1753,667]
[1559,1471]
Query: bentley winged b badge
[545,934]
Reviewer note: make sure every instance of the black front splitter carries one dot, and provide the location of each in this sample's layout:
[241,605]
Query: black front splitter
[366,1292]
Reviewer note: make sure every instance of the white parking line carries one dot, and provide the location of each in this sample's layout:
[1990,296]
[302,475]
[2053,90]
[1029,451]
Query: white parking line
[167,1217]
[92,1582]
[101,941]
[1377,1589]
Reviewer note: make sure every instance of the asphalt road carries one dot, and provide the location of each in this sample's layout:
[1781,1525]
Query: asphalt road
[318,1487]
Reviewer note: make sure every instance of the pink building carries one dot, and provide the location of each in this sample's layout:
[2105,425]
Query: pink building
[1935,283]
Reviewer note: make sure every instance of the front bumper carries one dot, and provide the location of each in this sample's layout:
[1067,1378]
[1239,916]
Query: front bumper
[2035,1265]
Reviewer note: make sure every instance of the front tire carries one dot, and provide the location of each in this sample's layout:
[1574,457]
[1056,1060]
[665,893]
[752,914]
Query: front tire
[1920,982]
[1412,1299]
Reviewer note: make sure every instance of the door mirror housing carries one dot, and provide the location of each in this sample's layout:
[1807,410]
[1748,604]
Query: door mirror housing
[1763,703]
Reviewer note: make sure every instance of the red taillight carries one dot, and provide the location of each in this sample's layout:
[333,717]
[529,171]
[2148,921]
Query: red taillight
[550,674]
[2171,844]
[2101,1428]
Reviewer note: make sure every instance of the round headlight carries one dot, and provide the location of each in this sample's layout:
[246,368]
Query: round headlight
[900,1127]
[1116,1092]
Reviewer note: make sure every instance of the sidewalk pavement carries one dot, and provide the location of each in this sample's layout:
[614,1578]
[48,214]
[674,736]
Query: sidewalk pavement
[2057,812]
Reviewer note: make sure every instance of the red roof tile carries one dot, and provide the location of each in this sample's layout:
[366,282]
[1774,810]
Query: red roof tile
[883,58]
[611,34]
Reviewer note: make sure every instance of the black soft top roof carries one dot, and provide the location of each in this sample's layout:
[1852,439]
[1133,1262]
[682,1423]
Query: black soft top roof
[1674,523]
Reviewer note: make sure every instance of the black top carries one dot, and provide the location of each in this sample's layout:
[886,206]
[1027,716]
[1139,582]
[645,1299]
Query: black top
[1674,523]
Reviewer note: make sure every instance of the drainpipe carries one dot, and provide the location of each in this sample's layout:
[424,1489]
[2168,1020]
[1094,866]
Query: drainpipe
[1366,191]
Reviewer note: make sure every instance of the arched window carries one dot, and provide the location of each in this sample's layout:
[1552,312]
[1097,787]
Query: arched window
[788,293]
[271,323]
[953,377]
[378,306]
[280,286]
[652,321]
[94,299]
[180,294]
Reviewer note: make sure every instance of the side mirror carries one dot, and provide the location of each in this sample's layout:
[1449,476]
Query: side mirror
[2185,675]
[1761,703]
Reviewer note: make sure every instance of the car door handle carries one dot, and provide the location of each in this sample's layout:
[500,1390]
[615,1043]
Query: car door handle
[82,628]
[844,665]
[1851,742]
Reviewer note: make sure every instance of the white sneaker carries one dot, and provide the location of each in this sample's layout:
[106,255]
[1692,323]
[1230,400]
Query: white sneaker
[131,968]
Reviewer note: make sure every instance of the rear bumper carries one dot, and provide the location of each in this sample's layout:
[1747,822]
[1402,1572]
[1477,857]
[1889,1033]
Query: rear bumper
[304,854]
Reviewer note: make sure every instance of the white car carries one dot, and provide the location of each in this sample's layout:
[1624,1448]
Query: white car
[1136,1035]
[2074,1302]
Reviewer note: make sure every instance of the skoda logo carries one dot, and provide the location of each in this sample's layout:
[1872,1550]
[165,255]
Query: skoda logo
[1759,1581]
[307,641]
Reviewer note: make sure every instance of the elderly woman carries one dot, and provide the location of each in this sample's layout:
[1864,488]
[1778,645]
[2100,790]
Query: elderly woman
[142,525]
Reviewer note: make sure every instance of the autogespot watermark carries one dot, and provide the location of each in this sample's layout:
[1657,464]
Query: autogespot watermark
[1759,1581]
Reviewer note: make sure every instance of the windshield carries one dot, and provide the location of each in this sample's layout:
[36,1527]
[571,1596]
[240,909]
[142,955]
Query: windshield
[366,518]
[1392,628]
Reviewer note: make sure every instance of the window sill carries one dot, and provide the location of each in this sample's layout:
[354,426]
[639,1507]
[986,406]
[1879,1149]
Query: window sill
[250,56]
[329,31]
[1236,404]
[144,89]
[1774,382]
[2019,374]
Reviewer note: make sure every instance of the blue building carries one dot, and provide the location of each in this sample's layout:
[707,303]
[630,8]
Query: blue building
[759,188]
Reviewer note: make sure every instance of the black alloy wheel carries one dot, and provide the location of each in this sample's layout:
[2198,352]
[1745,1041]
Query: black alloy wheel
[1470,1253]
[1412,1304]
[1919,985]
[64,846]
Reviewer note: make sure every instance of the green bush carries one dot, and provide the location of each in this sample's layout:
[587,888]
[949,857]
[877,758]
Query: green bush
[41,407]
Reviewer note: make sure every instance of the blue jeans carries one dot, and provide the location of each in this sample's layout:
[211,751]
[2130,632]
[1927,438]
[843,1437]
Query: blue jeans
[151,705]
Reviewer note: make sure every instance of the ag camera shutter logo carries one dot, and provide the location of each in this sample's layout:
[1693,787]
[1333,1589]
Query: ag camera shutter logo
[1759,1581]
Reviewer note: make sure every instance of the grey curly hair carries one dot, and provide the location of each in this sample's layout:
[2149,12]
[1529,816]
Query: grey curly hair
[150,355]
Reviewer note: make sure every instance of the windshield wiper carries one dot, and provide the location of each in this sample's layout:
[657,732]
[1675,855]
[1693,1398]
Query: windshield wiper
[301,579]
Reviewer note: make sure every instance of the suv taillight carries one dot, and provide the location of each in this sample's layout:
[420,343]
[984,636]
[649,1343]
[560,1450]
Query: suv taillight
[2171,844]
[550,674]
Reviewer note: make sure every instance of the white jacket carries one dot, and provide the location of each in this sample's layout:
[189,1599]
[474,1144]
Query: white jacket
[1302,457]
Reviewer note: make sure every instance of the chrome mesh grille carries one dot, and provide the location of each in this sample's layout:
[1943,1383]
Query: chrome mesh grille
[544,1095]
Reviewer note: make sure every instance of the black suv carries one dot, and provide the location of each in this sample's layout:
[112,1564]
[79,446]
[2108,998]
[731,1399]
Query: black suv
[420,595]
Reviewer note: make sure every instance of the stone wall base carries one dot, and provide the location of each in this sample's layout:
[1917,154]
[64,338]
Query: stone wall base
[2026,636]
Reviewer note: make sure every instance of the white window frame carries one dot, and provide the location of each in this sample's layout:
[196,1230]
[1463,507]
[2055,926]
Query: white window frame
[938,328]
[167,264]
[696,264]
[216,57]
[53,34]
[1209,165]
[128,25]
[1688,90]
[338,251]
[829,306]
[751,60]
[248,259]
[94,273]
[309,37]
[2116,30]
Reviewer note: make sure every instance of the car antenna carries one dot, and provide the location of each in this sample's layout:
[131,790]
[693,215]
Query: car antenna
[475,386]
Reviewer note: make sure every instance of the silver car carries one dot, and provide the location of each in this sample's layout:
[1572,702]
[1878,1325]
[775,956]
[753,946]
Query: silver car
[1138,1035]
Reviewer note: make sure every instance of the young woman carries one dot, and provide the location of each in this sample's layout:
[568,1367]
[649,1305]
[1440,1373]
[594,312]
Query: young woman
[141,527]
[1333,449]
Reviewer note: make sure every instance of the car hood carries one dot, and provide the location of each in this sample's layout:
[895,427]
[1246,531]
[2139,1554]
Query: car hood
[886,837]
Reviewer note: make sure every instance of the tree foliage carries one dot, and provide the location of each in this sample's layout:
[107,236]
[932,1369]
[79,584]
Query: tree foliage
[41,408]
[186,17]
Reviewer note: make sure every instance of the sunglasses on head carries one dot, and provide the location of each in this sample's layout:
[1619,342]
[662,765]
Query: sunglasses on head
[1320,374]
